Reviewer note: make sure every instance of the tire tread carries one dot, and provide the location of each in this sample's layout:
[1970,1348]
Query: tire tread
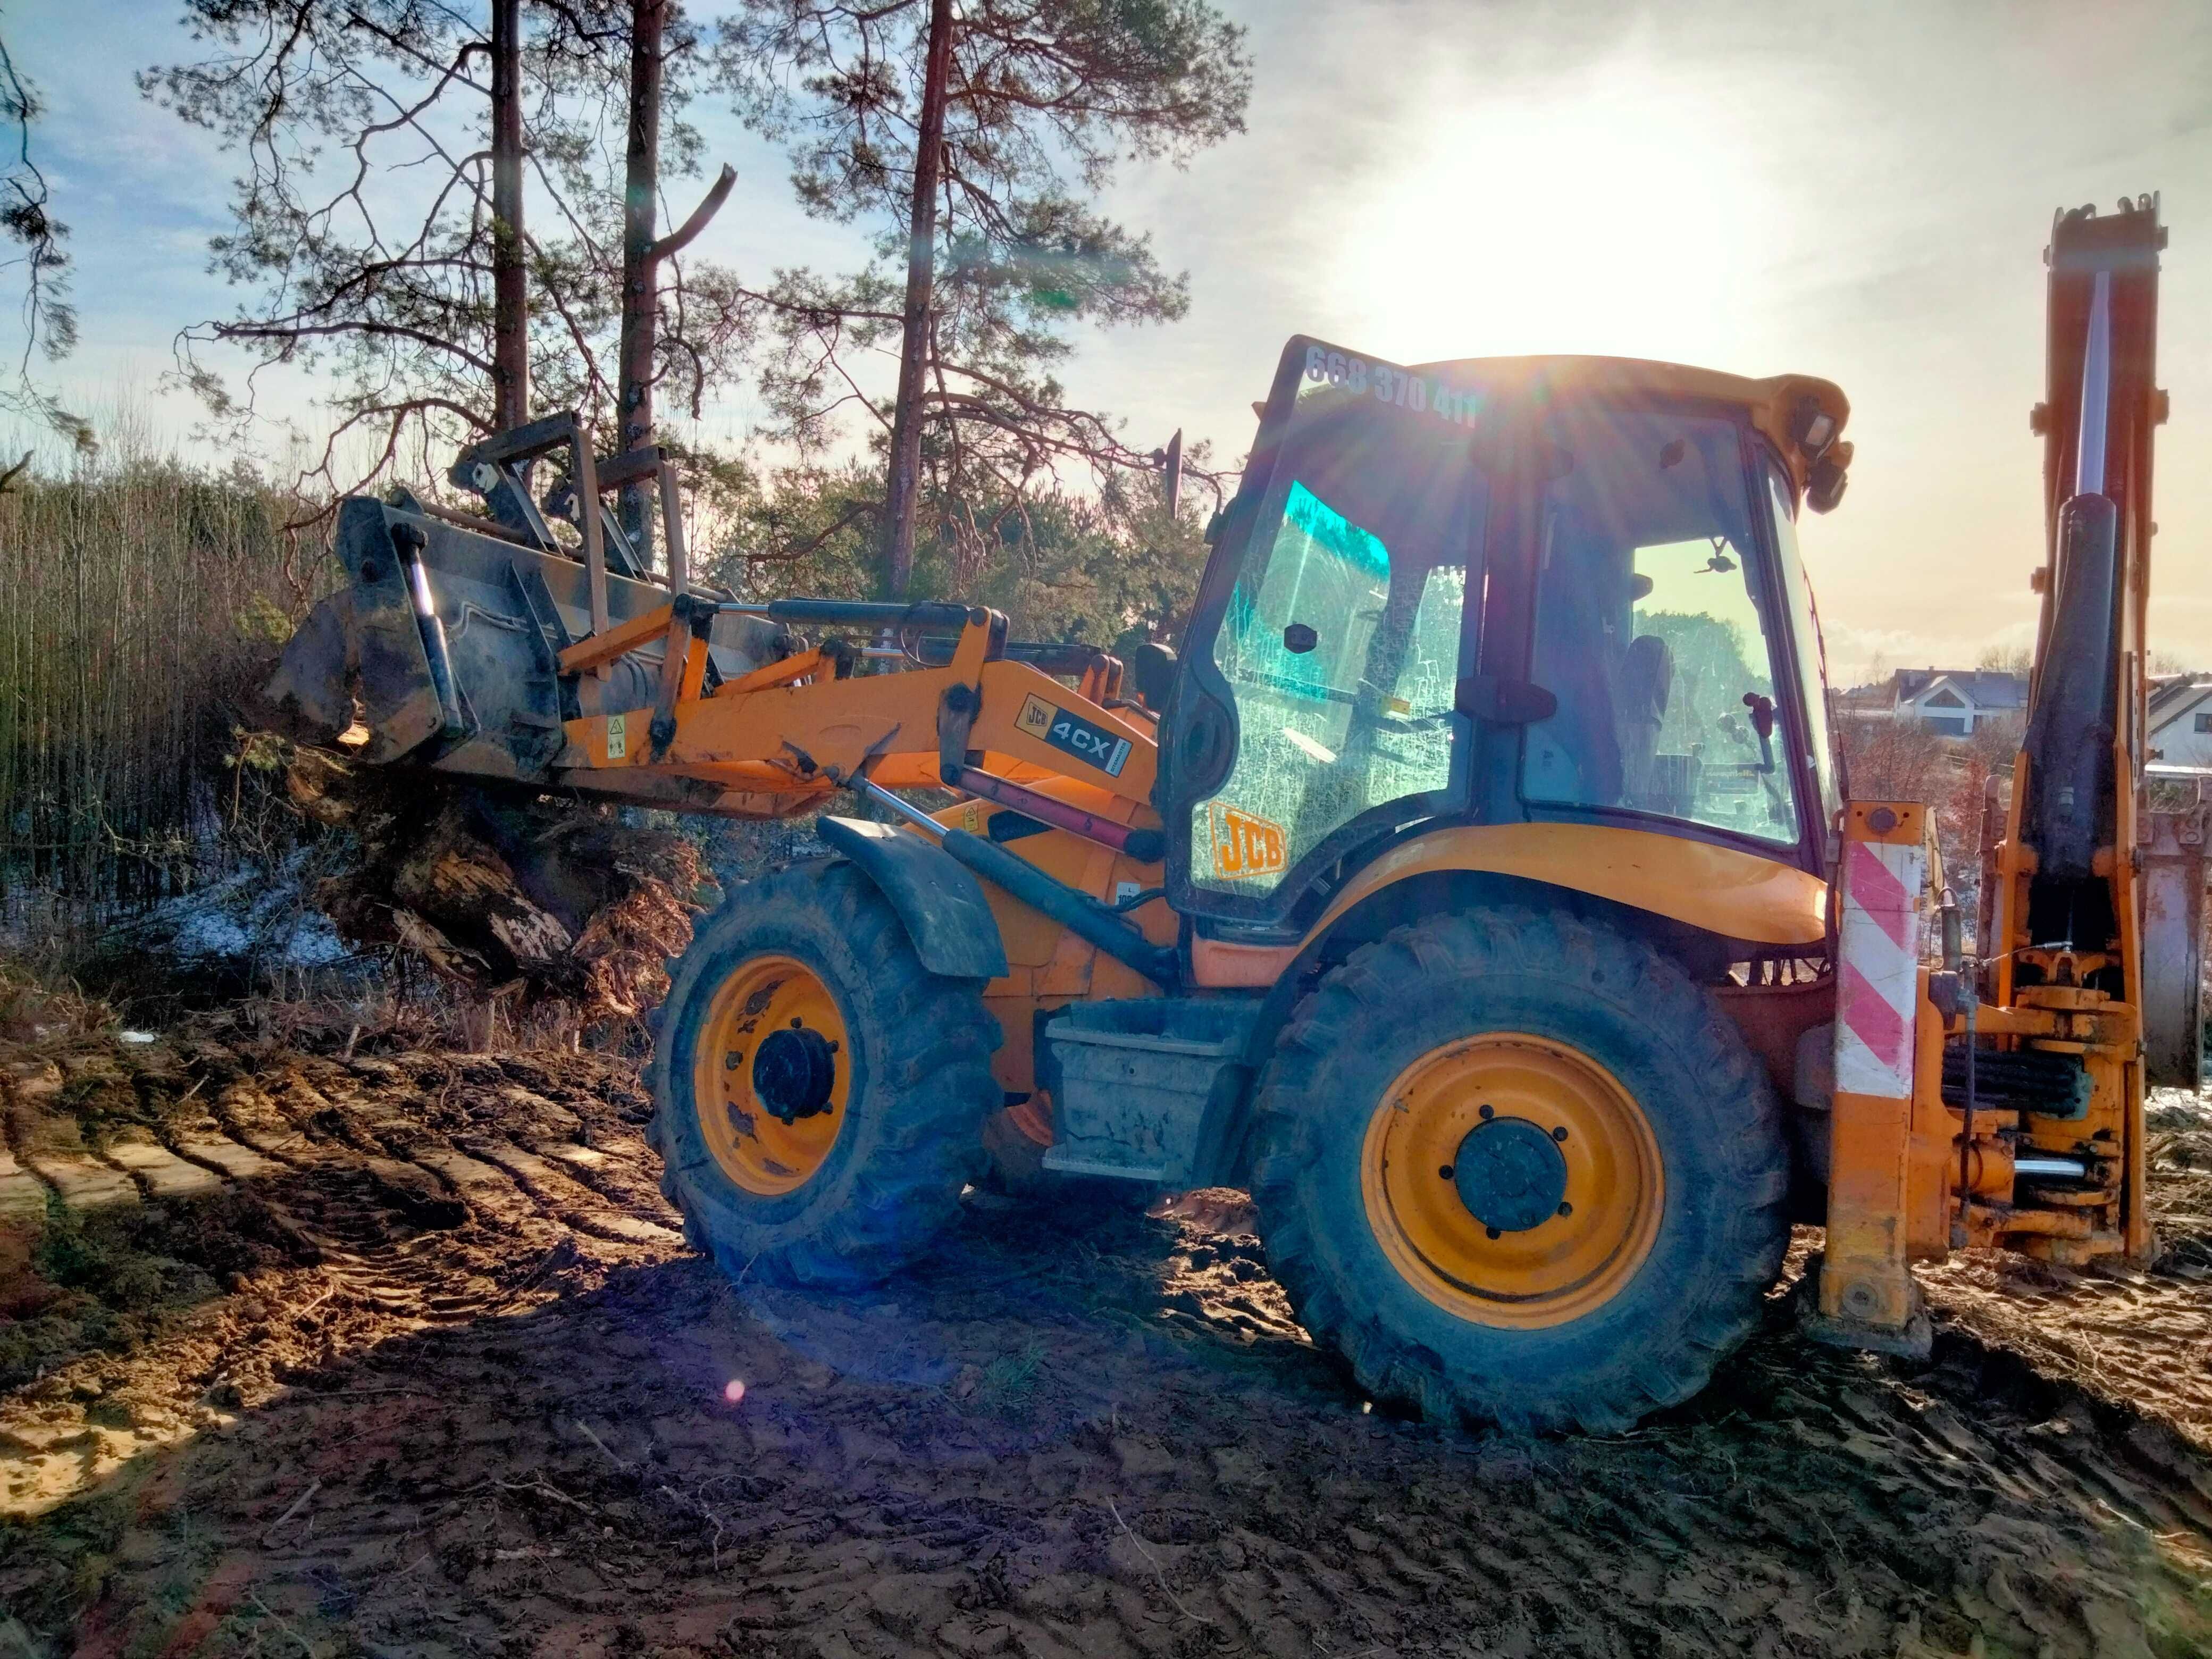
[934,1098]
[1358,1002]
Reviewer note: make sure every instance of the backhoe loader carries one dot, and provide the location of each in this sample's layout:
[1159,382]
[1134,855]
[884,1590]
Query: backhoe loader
[1477,886]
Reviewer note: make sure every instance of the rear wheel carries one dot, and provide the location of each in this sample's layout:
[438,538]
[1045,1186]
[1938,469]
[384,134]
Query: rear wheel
[1515,1166]
[818,1091]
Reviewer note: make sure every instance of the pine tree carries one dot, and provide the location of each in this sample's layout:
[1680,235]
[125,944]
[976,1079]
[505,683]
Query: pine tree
[27,221]
[972,138]
[375,238]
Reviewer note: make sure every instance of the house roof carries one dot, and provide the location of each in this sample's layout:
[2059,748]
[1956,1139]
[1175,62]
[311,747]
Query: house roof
[1986,688]
[2171,698]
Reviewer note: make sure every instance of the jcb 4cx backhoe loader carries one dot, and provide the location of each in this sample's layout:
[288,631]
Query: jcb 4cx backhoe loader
[1479,889]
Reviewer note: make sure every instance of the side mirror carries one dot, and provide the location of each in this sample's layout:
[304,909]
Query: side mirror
[1152,666]
[1824,488]
[1171,464]
[1762,724]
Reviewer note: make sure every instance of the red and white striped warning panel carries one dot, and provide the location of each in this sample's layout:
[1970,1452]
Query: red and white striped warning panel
[1877,978]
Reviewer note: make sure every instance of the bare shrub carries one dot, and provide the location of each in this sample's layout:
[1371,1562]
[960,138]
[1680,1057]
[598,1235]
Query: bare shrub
[1901,759]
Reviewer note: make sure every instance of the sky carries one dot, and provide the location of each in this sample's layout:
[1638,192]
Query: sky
[1859,193]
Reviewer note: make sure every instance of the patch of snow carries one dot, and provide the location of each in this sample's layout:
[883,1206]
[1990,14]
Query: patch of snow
[264,913]
[136,1037]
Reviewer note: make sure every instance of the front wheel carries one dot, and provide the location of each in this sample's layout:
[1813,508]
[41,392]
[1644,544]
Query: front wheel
[818,1093]
[1514,1166]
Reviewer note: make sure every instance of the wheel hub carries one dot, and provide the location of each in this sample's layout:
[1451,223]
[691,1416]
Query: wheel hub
[1511,1174]
[1512,1179]
[794,1070]
[772,1073]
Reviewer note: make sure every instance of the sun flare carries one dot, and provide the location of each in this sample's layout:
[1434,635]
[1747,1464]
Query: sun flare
[1619,217]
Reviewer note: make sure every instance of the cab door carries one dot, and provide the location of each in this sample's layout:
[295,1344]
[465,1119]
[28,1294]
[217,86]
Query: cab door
[1315,707]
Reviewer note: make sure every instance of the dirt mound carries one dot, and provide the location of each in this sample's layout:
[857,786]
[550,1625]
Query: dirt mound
[464,1391]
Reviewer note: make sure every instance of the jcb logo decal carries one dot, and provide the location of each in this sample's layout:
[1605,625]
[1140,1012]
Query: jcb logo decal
[1092,744]
[1245,844]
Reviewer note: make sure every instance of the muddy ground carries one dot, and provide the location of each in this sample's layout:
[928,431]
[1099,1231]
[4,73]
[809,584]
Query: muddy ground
[402,1354]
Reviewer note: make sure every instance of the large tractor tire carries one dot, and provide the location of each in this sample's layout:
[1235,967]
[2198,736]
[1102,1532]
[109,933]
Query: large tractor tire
[1515,1167]
[818,1092]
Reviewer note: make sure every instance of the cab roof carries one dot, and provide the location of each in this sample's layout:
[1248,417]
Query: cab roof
[1772,403]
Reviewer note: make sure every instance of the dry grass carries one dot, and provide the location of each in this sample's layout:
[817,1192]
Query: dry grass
[139,601]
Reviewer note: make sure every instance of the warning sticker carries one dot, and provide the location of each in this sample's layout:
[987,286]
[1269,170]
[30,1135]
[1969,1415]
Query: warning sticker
[1094,745]
[1245,844]
[617,737]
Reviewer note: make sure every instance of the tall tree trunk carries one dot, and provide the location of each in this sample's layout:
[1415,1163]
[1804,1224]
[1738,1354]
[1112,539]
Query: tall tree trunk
[510,276]
[640,259]
[921,285]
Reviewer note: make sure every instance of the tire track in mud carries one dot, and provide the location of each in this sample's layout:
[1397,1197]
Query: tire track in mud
[403,1212]
[376,1225]
[471,1413]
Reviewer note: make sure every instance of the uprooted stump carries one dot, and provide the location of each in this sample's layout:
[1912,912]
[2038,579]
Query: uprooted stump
[528,899]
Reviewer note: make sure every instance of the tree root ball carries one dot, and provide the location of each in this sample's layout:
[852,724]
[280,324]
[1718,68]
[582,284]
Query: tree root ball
[535,899]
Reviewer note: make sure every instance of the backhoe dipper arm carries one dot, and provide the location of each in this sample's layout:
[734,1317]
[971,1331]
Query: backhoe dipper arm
[2065,950]
[2062,882]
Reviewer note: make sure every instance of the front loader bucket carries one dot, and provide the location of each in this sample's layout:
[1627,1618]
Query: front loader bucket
[443,647]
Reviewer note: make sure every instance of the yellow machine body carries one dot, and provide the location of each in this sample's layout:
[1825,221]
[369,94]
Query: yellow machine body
[1504,674]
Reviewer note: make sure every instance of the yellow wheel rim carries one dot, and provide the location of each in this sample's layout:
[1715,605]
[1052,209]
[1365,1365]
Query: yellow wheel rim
[770,1120]
[1512,1180]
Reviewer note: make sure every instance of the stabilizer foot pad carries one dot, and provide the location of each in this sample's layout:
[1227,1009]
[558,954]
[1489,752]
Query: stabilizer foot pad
[1914,1339]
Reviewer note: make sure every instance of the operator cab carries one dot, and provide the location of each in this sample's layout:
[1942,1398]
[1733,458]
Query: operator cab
[1500,591]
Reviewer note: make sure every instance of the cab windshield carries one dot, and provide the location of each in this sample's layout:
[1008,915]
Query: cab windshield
[1655,627]
[1342,637]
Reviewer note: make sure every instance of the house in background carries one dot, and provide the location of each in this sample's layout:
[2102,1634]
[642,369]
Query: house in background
[1950,701]
[2180,720]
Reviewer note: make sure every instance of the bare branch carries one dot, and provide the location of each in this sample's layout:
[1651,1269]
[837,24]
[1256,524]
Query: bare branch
[682,236]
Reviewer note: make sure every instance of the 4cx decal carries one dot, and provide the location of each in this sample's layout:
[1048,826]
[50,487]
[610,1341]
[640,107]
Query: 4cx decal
[1092,744]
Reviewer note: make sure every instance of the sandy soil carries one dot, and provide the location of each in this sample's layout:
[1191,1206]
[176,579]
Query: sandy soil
[404,1355]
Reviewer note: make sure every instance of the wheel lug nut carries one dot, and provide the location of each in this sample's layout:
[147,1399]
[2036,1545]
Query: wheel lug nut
[1493,1232]
[1567,1209]
[1559,1133]
[1488,1113]
[1446,1172]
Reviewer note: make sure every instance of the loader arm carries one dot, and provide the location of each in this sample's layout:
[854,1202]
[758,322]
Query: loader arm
[786,737]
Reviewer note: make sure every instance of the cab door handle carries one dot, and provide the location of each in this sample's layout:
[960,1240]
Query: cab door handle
[1503,701]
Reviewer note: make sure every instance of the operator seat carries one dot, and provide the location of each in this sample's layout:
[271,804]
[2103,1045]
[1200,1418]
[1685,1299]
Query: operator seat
[1576,755]
[1645,682]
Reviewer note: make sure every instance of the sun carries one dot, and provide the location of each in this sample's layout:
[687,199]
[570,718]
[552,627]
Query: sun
[1620,214]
